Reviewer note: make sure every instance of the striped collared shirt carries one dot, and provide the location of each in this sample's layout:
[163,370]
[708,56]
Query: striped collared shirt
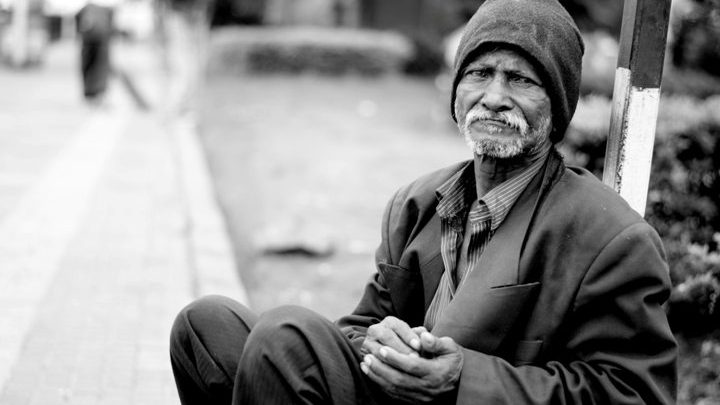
[456,210]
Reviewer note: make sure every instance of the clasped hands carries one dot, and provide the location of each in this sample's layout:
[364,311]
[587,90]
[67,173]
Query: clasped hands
[410,364]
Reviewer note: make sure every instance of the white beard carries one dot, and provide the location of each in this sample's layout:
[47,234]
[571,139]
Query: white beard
[505,147]
[494,148]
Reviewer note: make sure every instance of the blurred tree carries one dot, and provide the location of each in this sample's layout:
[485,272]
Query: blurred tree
[593,15]
[229,12]
[443,16]
[428,22]
[425,22]
[696,42]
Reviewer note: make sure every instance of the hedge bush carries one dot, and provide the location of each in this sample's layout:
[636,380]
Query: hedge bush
[695,42]
[699,369]
[689,82]
[308,50]
[600,61]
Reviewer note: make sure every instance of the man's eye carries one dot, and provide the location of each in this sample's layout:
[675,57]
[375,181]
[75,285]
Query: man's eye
[478,73]
[523,80]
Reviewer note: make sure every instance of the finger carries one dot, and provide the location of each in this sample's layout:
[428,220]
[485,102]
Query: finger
[370,346]
[446,345]
[419,330]
[411,364]
[394,382]
[370,366]
[437,346]
[386,333]
[428,342]
[381,334]
[406,335]
[390,374]
[385,385]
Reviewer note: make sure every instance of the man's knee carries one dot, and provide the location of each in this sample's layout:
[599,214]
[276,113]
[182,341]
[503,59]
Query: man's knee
[202,317]
[291,317]
[287,327]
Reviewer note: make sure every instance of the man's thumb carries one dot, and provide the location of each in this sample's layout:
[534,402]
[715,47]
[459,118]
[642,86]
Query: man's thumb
[436,345]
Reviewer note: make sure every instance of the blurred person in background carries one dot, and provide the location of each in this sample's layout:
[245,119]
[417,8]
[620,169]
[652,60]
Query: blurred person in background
[94,24]
[185,28]
[509,278]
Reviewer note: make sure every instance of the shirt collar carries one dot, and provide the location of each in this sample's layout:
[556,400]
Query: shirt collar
[455,195]
[501,199]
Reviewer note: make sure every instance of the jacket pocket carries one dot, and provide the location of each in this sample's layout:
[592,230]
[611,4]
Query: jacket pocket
[481,320]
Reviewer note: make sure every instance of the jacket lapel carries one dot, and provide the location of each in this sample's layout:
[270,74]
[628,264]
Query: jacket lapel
[424,252]
[500,261]
[430,259]
[491,299]
[422,267]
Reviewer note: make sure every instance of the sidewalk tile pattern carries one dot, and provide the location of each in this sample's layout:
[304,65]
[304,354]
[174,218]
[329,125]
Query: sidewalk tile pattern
[107,229]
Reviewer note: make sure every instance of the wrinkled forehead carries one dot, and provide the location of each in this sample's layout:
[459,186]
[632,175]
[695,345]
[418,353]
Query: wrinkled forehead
[512,55]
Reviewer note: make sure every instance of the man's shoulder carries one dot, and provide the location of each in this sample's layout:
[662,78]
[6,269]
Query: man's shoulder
[580,191]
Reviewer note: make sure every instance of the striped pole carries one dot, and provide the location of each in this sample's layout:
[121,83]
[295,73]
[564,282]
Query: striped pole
[636,98]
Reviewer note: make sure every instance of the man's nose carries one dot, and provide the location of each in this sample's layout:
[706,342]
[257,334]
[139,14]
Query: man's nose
[496,96]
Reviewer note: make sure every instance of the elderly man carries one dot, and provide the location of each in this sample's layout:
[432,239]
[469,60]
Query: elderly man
[509,278]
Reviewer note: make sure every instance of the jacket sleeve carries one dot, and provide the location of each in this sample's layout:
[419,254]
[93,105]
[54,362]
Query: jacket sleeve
[375,303]
[618,347]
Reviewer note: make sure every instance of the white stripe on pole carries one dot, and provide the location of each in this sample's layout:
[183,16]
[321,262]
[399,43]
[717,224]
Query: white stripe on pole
[631,157]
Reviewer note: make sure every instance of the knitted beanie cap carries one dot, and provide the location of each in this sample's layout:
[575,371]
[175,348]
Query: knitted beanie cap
[544,32]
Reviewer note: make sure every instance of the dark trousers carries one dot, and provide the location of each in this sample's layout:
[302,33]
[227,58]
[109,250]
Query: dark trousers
[223,353]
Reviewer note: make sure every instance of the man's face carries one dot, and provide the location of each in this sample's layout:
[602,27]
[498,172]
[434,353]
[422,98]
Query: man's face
[502,107]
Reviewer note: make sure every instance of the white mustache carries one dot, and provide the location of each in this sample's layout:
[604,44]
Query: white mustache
[512,120]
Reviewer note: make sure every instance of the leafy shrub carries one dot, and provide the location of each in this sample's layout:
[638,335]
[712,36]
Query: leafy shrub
[694,308]
[696,35]
[308,49]
[427,59]
[685,184]
[599,63]
[596,14]
[584,142]
[699,370]
[689,82]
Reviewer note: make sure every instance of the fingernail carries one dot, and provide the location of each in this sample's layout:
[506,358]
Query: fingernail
[426,336]
[383,352]
[367,359]
[364,368]
[415,344]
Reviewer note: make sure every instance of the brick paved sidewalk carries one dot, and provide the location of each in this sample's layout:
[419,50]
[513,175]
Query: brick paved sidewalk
[109,227]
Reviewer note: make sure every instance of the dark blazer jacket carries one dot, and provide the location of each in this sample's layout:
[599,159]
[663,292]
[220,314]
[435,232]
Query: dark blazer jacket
[564,307]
